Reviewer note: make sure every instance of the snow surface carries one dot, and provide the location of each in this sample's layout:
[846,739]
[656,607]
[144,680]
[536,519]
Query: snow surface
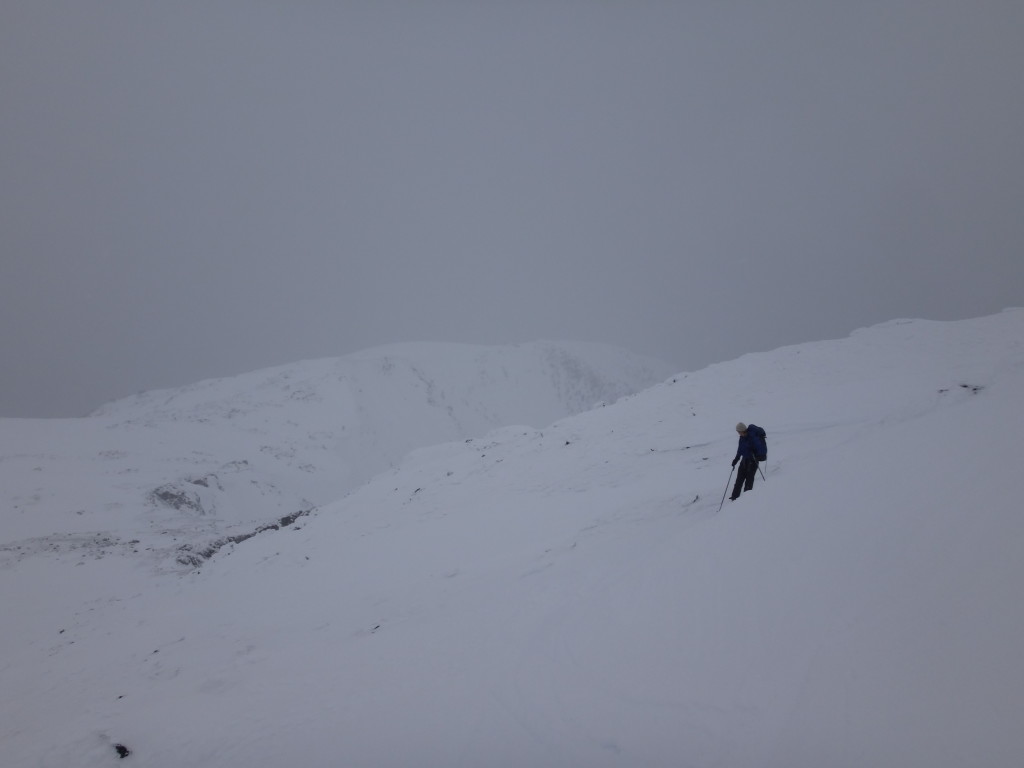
[176,471]
[571,596]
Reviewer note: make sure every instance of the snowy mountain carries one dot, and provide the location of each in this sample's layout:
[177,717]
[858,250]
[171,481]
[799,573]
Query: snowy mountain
[571,595]
[178,472]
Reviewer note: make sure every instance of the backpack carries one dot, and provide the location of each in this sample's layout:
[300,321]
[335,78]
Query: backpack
[758,441]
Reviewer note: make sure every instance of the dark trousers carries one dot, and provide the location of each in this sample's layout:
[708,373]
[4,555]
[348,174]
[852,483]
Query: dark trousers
[744,477]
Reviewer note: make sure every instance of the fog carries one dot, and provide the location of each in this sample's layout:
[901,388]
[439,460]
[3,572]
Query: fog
[198,190]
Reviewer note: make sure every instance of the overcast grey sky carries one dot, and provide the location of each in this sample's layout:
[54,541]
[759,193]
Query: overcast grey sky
[191,190]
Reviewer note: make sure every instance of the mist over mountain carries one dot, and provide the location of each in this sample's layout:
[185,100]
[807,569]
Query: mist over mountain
[576,592]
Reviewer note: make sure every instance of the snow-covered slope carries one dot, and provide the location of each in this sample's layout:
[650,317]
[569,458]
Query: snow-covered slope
[185,468]
[571,596]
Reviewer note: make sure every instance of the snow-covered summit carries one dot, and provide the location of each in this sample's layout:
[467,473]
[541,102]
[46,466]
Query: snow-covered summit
[538,381]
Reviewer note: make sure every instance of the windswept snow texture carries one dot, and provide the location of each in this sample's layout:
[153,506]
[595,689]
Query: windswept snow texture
[570,596]
[178,472]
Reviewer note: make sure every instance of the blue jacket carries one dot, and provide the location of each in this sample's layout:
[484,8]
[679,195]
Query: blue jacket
[750,443]
[745,449]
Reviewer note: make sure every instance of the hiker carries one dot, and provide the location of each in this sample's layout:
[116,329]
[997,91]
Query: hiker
[752,447]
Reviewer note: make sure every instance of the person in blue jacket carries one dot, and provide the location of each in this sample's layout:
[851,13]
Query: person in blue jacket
[751,447]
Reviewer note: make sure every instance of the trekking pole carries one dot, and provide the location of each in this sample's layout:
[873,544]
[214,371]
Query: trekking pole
[762,472]
[726,489]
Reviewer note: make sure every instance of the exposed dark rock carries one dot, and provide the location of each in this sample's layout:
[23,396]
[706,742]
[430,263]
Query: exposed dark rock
[179,498]
[972,388]
[196,557]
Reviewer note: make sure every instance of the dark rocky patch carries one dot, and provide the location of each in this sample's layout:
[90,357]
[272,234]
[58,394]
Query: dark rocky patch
[174,496]
[187,555]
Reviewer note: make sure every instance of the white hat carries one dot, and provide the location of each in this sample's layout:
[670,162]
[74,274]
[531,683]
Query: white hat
[741,427]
